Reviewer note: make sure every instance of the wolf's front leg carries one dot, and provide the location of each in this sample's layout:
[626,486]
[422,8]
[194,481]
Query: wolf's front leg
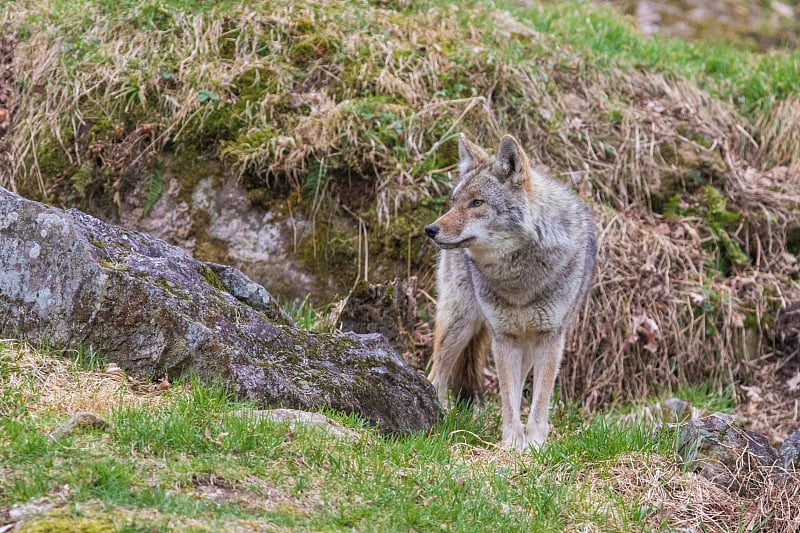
[547,351]
[508,360]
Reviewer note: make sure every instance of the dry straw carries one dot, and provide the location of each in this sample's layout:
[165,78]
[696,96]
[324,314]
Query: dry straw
[384,115]
[48,384]
[685,501]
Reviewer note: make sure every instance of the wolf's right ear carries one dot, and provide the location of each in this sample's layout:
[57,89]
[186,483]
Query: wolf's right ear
[511,162]
[470,153]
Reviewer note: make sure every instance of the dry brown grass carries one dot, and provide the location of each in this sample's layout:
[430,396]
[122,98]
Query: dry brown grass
[651,269]
[781,134]
[687,502]
[670,496]
[332,93]
[771,403]
[49,384]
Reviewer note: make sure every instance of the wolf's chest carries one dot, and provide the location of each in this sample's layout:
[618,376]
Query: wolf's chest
[516,306]
[520,322]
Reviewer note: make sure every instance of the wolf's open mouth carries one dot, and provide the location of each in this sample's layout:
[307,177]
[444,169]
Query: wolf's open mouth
[451,245]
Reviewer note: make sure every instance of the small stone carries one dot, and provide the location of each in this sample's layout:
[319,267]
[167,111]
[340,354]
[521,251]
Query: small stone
[79,421]
[732,458]
[250,292]
[670,411]
[295,417]
[790,452]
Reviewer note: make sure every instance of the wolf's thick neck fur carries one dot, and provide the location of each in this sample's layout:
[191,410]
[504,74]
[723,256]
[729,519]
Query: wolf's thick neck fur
[533,267]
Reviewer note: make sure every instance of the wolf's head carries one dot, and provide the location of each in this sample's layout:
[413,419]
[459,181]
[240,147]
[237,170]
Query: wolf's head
[489,201]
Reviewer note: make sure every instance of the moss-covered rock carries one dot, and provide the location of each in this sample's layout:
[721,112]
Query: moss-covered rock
[160,310]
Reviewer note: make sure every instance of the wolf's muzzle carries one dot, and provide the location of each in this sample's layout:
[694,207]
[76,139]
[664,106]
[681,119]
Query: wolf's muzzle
[432,230]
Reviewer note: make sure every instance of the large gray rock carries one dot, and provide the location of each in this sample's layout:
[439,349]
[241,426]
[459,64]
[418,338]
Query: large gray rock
[215,220]
[70,279]
[732,458]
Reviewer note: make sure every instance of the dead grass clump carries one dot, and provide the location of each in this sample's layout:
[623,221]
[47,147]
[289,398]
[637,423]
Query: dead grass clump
[777,508]
[689,296]
[771,403]
[780,130]
[50,384]
[487,455]
[677,499]
[655,312]
[686,501]
[635,136]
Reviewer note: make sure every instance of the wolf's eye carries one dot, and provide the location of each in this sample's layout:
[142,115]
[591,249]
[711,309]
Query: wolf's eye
[476,203]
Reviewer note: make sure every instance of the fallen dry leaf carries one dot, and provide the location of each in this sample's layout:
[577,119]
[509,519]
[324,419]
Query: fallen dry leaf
[794,383]
[646,326]
[697,298]
[162,385]
[218,440]
[114,370]
[753,393]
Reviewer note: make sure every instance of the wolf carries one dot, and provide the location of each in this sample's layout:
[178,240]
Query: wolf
[516,261]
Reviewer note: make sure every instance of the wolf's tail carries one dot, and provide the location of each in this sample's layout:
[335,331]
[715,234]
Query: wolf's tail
[466,381]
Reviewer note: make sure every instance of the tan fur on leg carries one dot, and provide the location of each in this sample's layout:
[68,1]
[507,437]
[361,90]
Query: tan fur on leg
[547,351]
[508,361]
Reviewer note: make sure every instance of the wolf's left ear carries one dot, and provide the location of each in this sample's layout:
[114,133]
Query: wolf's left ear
[470,153]
[511,162]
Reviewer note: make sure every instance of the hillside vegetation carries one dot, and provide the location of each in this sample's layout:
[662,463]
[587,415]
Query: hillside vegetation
[182,457]
[345,114]
[348,111]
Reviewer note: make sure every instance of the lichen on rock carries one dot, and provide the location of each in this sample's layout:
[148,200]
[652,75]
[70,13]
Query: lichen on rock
[153,309]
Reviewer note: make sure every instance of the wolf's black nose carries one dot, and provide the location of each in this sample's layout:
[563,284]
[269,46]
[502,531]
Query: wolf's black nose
[432,230]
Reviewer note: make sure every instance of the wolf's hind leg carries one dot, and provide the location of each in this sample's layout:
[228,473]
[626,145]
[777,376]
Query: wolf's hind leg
[547,351]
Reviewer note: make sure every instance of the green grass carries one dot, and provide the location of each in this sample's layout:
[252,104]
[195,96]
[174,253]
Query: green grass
[188,463]
[304,314]
[157,460]
[750,80]
[162,462]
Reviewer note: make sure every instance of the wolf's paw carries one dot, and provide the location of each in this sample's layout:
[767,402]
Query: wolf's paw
[514,437]
[535,436]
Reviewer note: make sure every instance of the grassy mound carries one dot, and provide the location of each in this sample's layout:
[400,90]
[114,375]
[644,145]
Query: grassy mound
[178,458]
[687,152]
